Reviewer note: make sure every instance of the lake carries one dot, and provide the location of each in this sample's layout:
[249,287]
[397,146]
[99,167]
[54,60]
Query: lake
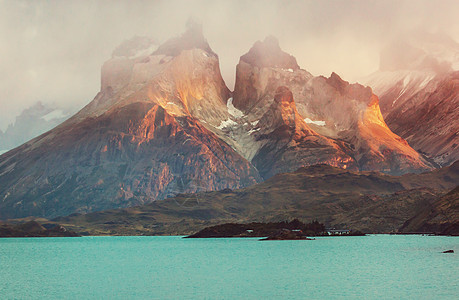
[370,267]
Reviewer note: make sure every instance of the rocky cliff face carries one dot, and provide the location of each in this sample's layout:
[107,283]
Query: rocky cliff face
[260,71]
[288,142]
[346,115]
[419,95]
[422,107]
[128,156]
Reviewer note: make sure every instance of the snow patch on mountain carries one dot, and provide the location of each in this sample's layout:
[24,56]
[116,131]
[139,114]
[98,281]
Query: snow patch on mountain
[136,47]
[406,80]
[253,130]
[382,81]
[226,123]
[318,123]
[426,81]
[233,110]
[54,115]
[144,52]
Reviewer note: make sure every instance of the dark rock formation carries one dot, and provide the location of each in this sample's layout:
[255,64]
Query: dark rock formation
[294,229]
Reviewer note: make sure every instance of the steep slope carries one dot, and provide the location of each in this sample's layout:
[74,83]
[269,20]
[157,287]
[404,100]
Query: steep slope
[428,120]
[368,201]
[419,93]
[441,217]
[141,138]
[331,107]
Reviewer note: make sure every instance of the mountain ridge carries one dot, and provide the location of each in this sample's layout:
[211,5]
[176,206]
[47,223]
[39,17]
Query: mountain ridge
[419,95]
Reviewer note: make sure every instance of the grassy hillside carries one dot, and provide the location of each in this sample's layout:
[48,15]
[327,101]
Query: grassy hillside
[366,201]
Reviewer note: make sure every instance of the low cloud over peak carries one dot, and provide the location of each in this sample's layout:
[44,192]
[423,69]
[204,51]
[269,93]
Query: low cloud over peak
[52,51]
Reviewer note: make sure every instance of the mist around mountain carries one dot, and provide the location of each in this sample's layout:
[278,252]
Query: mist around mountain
[32,122]
[418,88]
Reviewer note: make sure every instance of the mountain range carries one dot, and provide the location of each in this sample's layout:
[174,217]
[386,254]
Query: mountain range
[418,87]
[32,122]
[164,123]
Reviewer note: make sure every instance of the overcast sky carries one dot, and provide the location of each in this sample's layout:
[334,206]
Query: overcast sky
[52,51]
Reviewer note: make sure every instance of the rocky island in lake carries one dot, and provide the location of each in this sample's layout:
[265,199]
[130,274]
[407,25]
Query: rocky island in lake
[293,230]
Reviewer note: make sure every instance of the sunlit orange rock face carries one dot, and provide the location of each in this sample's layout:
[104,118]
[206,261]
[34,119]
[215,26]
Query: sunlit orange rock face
[128,156]
[347,115]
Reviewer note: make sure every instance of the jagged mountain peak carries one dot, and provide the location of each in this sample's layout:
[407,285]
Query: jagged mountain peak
[260,71]
[354,91]
[267,53]
[192,38]
[286,141]
[417,89]
[183,76]
[330,110]
[336,81]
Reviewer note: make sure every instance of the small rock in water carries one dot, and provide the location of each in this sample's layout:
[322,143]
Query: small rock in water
[448,251]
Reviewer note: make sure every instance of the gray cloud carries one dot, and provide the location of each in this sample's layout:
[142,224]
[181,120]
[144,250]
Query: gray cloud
[52,51]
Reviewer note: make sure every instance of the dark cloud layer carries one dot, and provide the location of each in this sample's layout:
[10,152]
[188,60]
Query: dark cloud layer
[52,50]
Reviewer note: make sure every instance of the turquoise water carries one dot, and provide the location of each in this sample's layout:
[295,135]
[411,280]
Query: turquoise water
[371,267]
